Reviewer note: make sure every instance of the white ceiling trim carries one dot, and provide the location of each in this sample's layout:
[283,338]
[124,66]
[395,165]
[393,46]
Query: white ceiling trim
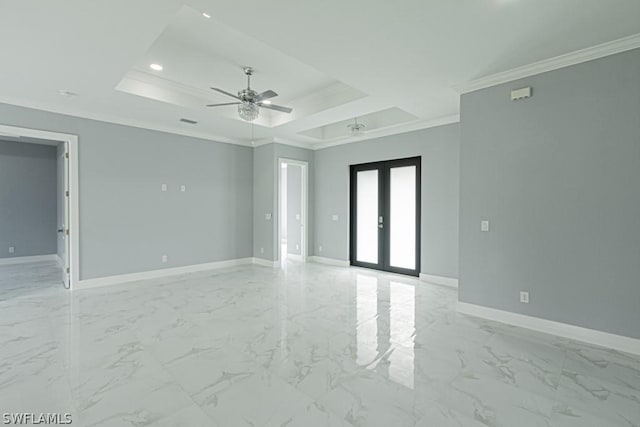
[299,144]
[277,140]
[263,141]
[120,121]
[393,130]
[422,124]
[579,56]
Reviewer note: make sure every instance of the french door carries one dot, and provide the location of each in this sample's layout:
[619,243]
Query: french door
[385,215]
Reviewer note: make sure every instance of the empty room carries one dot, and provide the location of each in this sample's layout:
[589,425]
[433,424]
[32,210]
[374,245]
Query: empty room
[293,213]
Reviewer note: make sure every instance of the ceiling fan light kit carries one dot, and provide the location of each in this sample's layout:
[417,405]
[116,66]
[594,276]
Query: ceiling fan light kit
[250,101]
[355,128]
[248,111]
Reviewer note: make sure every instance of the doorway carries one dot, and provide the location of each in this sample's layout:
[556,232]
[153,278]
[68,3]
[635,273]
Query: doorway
[67,226]
[292,210]
[385,215]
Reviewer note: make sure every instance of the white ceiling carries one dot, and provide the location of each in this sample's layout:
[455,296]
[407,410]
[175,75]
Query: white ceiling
[330,60]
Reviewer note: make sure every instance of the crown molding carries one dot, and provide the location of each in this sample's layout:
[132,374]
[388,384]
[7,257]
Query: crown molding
[577,57]
[261,142]
[391,130]
[107,118]
[278,140]
[299,144]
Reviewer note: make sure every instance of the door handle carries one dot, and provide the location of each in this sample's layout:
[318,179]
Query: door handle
[60,230]
[380,222]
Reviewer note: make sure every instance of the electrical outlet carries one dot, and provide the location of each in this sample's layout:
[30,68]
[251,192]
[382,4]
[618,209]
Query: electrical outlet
[524,297]
[165,259]
[334,217]
[163,187]
[298,217]
[267,216]
[320,248]
[484,225]
[261,250]
[297,247]
[183,188]
[11,249]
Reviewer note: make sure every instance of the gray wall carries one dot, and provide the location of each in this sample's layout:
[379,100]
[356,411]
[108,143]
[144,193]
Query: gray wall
[294,207]
[439,148]
[126,222]
[265,196]
[558,176]
[264,192]
[27,199]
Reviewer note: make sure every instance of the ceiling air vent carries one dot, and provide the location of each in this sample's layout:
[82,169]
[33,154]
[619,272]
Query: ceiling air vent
[188,121]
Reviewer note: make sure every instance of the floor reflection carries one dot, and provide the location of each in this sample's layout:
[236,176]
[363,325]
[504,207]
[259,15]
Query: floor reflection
[366,315]
[402,332]
[385,319]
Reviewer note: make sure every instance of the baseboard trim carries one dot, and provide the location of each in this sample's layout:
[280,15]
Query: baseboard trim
[591,336]
[329,261]
[439,280]
[295,257]
[264,262]
[156,274]
[28,259]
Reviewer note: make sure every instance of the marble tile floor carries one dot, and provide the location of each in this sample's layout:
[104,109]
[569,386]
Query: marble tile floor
[308,345]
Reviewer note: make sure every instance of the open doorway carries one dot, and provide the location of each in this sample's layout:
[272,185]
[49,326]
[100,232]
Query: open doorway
[292,210]
[39,207]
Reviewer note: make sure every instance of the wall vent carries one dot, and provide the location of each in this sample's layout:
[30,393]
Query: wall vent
[523,93]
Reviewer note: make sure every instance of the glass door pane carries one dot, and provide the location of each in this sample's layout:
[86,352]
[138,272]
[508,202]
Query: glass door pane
[402,226]
[367,216]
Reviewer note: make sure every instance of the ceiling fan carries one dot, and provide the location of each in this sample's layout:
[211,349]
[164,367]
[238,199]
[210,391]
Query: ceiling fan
[250,101]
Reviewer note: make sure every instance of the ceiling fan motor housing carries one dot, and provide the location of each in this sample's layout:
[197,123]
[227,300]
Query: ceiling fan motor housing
[247,95]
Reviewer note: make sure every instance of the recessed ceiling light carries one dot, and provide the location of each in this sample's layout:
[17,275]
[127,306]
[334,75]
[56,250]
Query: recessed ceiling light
[206,15]
[156,67]
[267,102]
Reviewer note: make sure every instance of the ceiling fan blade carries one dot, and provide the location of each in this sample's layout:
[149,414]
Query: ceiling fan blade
[220,105]
[267,94]
[276,107]
[225,92]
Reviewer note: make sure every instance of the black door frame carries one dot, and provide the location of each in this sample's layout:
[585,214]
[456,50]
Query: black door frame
[384,210]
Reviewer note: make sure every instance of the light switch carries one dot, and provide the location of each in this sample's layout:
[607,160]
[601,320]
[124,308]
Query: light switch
[298,217]
[267,216]
[183,188]
[334,217]
[163,187]
[484,225]
[12,249]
